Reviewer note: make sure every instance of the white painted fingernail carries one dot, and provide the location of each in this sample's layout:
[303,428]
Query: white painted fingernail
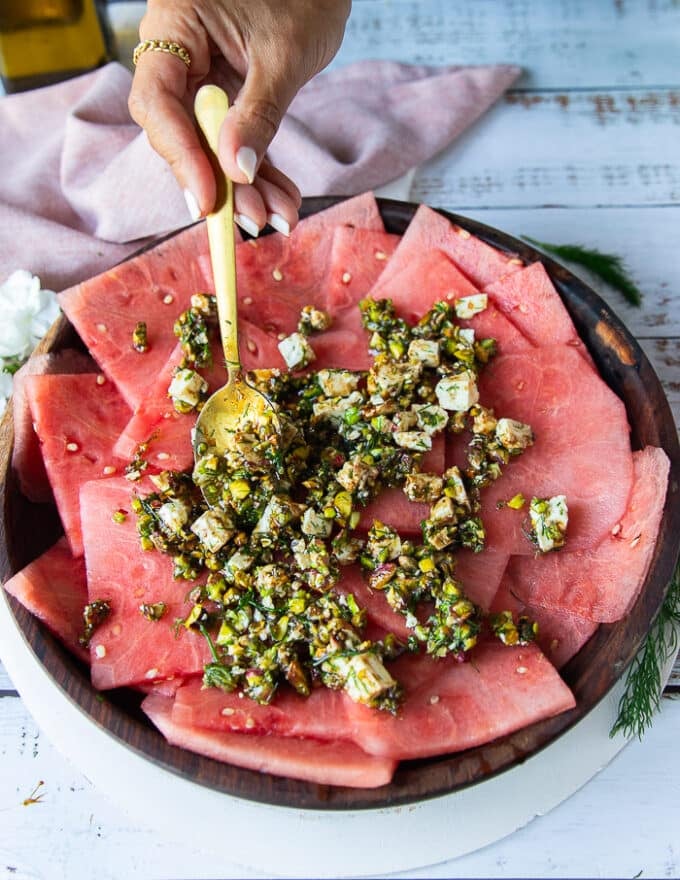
[279,223]
[246,159]
[192,205]
[247,225]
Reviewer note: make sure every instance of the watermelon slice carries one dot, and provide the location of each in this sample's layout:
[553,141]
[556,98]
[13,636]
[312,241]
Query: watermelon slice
[602,583]
[27,460]
[128,648]
[393,508]
[480,574]
[318,716]
[378,610]
[560,635]
[358,258]
[432,277]
[53,587]
[325,763]
[77,419]
[452,706]
[156,419]
[480,262]
[529,299]
[581,449]
[153,287]
[278,275]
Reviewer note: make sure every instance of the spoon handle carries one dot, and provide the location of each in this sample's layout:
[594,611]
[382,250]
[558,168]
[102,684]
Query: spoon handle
[210,106]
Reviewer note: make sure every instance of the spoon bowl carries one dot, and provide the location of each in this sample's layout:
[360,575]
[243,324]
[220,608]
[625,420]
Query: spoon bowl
[227,408]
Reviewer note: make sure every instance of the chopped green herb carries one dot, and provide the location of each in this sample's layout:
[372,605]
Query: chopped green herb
[642,695]
[94,614]
[140,340]
[153,611]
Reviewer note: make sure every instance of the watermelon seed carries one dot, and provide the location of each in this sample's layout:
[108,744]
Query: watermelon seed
[116,630]
[247,300]
[616,529]
[521,670]
[71,447]
[515,261]
[250,723]
[281,336]
[228,710]
[151,673]
[168,299]
[102,328]
[277,275]
[434,699]
[380,255]
[520,385]
[463,232]
[635,541]
[100,651]
[109,469]
[101,379]
[346,278]
[251,346]
[163,456]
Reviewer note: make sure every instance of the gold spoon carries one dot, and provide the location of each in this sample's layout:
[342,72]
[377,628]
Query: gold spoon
[225,409]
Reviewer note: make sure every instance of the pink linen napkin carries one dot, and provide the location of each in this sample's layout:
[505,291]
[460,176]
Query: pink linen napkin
[81,188]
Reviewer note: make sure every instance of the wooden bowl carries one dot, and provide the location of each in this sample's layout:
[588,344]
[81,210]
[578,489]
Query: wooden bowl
[27,529]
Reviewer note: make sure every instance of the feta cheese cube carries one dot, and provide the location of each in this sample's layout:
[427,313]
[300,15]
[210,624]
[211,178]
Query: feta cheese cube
[424,350]
[239,561]
[337,383]
[549,519]
[296,351]
[405,420]
[469,306]
[356,474]
[458,392]
[467,334]
[484,421]
[336,407]
[278,512]
[173,515]
[418,441]
[187,387]
[514,436]
[431,417]
[425,488]
[455,487]
[213,529]
[443,511]
[315,523]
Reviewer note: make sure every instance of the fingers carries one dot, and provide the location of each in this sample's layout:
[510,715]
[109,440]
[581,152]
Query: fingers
[253,121]
[273,199]
[156,102]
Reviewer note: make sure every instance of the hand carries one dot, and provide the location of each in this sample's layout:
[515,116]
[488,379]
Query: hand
[261,52]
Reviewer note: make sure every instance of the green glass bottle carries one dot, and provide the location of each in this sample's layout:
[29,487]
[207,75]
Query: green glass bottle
[43,41]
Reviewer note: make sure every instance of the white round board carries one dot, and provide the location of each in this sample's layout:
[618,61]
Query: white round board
[382,841]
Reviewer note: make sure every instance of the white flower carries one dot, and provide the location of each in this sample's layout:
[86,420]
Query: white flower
[26,313]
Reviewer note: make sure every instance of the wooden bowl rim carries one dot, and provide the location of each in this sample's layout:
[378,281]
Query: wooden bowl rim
[624,366]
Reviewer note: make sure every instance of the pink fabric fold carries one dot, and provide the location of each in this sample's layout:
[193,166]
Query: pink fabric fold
[81,188]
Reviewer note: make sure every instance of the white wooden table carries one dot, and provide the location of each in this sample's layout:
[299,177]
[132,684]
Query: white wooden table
[585,149]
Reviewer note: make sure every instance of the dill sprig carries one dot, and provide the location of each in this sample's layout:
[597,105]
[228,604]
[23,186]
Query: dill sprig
[608,267]
[642,694]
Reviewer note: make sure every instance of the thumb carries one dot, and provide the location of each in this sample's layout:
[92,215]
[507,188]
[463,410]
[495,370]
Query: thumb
[253,121]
